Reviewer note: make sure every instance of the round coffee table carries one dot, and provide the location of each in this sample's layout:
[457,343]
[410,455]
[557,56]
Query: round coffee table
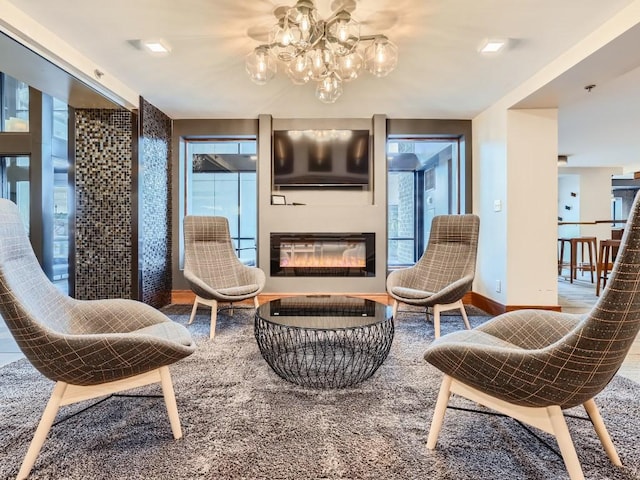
[324,341]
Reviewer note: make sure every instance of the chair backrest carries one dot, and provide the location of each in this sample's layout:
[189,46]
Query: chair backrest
[593,352]
[35,311]
[451,251]
[209,252]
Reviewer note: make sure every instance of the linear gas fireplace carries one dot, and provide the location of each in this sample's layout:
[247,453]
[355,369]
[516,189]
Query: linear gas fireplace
[323,255]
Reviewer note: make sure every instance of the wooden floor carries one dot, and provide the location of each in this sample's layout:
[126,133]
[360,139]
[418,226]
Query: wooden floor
[578,297]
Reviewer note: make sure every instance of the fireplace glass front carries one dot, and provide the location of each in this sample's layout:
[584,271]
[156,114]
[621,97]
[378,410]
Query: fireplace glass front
[323,254]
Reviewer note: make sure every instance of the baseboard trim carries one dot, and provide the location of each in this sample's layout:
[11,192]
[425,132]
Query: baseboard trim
[486,304]
[182,297]
[496,308]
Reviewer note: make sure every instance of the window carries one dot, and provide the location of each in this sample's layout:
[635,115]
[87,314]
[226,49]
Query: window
[14,99]
[62,197]
[221,181]
[401,215]
[421,183]
[14,184]
[52,224]
[60,120]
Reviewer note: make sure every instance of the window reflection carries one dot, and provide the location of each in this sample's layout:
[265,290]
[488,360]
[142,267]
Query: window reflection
[221,181]
[421,183]
[15,104]
[62,196]
[14,184]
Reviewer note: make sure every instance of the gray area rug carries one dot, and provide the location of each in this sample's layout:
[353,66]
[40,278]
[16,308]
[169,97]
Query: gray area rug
[241,421]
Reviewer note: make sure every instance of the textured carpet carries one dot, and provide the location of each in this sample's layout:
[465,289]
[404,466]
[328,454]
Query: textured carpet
[241,421]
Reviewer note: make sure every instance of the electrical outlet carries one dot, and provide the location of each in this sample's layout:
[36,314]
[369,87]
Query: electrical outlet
[498,286]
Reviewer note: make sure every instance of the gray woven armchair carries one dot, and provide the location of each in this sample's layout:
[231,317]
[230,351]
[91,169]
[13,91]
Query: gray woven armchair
[212,268]
[532,364]
[445,271]
[89,348]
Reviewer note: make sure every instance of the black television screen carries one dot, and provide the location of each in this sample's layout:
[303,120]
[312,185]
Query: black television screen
[320,157]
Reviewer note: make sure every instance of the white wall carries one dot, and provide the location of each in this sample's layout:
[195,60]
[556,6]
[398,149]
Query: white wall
[490,185]
[532,192]
[568,190]
[515,195]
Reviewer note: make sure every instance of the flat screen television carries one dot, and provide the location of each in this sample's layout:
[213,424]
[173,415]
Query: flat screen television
[320,158]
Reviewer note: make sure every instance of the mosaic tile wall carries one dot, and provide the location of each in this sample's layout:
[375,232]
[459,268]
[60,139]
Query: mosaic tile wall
[103,203]
[155,206]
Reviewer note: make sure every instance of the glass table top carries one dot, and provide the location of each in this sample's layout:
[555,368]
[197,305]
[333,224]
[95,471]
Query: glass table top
[324,312]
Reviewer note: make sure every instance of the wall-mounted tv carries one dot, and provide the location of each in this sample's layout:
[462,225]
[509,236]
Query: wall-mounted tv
[327,158]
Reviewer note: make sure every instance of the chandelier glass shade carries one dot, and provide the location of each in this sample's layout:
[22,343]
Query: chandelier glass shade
[329,52]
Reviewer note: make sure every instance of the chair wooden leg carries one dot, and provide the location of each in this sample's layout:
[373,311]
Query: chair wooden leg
[438,308]
[436,320]
[601,430]
[48,416]
[256,303]
[464,315]
[170,401]
[214,317]
[563,437]
[231,309]
[438,413]
[549,419]
[193,310]
[65,394]
[394,310]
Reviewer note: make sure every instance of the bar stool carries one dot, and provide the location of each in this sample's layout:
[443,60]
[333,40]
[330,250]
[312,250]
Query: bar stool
[591,244]
[586,244]
[606,257]
[561,263]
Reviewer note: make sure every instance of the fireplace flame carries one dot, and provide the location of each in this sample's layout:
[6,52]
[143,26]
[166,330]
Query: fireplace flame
[311,260]
[338,255]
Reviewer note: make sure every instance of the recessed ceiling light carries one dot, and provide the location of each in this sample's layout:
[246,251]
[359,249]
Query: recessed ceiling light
[492,46]
[157,47]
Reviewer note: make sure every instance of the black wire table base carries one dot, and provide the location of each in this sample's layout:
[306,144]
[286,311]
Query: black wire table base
[322,358]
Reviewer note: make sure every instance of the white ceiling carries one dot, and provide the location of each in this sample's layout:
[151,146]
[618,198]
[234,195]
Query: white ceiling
[439,75]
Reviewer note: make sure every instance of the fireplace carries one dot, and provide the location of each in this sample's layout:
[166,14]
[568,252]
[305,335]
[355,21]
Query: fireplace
[323,255]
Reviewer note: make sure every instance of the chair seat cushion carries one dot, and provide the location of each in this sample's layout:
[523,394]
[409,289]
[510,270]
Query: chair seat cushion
[240,290]
[411,293]
[171,331]
[475,337]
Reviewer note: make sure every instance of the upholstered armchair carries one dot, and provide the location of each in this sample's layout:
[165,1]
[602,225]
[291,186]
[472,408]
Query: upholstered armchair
[445,271]
[212,268]
[533,364]
[89,348]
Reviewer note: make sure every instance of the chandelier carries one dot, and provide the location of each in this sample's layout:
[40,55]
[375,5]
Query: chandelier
[329,51]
